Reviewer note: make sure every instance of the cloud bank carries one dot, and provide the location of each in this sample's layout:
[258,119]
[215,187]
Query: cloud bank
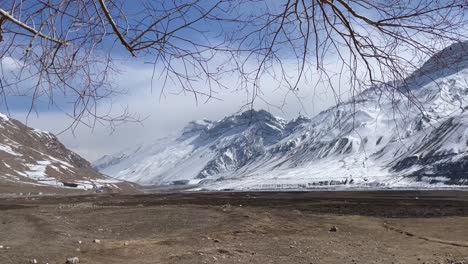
[166,113]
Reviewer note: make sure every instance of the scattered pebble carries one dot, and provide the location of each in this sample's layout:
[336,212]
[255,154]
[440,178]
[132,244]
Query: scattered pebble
[74,260]
[34,261]
[97,241]
[333,229]
[226,207]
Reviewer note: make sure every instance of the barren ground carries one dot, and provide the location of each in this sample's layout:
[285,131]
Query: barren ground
[373,227]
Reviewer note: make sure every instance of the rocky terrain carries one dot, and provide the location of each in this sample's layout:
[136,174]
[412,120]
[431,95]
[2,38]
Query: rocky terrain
[34,161]
[303,228]
[378,139]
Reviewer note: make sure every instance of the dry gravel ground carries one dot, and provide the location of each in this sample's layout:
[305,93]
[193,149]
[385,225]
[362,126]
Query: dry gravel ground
[372,227]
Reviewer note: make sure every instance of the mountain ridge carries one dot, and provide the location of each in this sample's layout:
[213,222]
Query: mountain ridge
[376,139]
[32,159]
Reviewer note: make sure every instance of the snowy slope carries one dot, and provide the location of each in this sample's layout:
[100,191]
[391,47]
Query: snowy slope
[31,157]
[204,150]
[380,139]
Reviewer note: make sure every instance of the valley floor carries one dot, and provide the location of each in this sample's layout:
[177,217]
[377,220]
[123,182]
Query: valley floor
[371,227]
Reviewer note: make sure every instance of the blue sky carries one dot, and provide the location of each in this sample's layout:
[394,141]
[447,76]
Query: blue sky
[162,114]
[168,113]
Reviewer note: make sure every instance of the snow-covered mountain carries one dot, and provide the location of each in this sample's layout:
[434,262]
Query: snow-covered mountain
[380,138]
[203,150]
[31,158]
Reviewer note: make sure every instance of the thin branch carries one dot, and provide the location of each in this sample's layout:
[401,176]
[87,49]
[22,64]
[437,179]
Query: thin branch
[114,27]
[7,15]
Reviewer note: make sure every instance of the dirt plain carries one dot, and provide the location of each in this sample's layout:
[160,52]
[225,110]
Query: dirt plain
[263,227]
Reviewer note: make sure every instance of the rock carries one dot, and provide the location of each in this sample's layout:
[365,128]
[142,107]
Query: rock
[73,260]
[34,261]
[226,207]
[97,241]
[333,229]
[125,243]
[80,242]
[1,247]
[104,189]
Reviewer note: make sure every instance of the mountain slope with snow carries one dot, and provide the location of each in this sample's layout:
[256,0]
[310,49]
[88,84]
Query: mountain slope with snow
[204,150]
[417,138]
[35,158]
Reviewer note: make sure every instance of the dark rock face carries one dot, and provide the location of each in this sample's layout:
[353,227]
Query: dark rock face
[436,162]
[456,171]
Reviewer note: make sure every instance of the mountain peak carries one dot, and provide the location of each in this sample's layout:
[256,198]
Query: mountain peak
[248,117]
[252,116]
[197,126]
[257,114]
[448,61]
[4,117]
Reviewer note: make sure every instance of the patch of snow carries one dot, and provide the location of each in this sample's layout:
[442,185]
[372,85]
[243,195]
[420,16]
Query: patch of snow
[41,133]
[64,163]
[9,150]
[4,117]
[38,171]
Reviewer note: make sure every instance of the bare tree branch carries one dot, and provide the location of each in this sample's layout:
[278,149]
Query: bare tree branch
[114,27]
[6,15]
[68,48]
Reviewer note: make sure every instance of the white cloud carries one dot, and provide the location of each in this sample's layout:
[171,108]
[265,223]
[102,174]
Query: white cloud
[168,114]
[10,64]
